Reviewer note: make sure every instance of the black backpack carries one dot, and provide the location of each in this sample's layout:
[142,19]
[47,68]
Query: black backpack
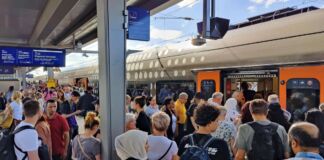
[195,152]
[7,146]
[266,143]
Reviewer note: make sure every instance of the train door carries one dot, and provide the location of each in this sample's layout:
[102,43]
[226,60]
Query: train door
[208,82]
[262,82]
[301,88]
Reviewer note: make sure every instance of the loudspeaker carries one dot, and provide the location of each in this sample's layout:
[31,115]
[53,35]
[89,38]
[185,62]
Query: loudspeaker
[218,27]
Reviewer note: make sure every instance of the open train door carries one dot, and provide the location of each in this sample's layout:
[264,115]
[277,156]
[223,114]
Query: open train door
[208,82]
[301,88]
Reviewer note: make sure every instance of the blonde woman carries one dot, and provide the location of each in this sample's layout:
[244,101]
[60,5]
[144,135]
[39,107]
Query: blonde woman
[16,107]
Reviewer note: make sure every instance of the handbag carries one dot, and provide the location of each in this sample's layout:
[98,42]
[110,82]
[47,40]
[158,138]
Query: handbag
[82,149]
[166,151]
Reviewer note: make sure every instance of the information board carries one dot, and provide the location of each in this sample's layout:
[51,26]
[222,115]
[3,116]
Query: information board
[139,24]
[7,70]
[35,57]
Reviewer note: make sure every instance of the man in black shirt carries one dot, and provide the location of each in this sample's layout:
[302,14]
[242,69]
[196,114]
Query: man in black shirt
[85,102]
[206,117]
[191,126]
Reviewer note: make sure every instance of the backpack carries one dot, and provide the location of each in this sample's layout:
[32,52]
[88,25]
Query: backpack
[266,143]
[7,146]
[195,152]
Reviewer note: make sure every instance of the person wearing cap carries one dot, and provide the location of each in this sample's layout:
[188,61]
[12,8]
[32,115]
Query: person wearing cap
[191,125]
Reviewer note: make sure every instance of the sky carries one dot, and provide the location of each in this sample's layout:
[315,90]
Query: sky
[164,29]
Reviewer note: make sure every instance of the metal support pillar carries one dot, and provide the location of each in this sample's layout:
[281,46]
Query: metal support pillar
[50,73]
[213,3]
[112,40]
[206,18]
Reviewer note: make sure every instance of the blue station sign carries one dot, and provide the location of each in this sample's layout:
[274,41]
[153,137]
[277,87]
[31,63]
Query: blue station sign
[35,57]
[139,24]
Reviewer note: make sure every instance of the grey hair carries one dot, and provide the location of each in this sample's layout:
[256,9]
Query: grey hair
[129,117]
[183,95]
[217,95]
[321,107]
[273,98]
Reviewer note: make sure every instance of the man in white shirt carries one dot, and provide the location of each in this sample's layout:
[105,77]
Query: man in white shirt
[27,140]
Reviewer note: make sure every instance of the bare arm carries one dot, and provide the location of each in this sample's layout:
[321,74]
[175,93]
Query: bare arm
[287,155]
[240,154]
[193,123]
[66,138]
[175,157]
[234,150]
[98,157]
[33,155]
[71,114]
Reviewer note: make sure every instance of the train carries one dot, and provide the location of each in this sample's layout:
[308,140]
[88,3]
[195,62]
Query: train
[280,52]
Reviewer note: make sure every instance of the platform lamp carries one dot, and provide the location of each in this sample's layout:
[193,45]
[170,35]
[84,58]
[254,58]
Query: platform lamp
[211,27]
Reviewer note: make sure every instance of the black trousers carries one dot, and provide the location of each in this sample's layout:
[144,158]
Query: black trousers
[57,157]
[181,133]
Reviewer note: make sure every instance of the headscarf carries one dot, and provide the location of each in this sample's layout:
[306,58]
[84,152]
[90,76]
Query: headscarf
[131,144]
[232,112]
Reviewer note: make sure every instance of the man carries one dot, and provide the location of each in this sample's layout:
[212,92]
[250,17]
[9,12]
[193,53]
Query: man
[180,111]
[206,117]
[59,131]
[67,92]
[304,140]
[191,126]
[239,96]
[3,102]
[86,102]
[248,94]
[275,113]
[26,140]
[216,99]
[261,139]
[9,93]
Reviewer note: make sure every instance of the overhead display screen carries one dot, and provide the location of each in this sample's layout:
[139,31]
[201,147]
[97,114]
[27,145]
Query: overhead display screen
[36,57]
[139,24]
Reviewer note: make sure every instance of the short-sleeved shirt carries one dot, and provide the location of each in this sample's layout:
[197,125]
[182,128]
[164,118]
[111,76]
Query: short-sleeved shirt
[217,148]
[151,110]
[180,110]
[225,131]
[58,126]
[17,110]
[158,146]
[245,136]
[26,140]
[143,122]
[91,147]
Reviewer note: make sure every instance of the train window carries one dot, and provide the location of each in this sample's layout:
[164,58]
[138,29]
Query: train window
[138,90]
[173,89]
[302,95]
[208,87]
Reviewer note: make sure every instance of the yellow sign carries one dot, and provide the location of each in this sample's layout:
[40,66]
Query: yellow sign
[51,83]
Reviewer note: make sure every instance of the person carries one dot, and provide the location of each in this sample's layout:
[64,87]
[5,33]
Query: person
[130,121]
[206,117]
[86,146]
[304,140]
[59,131]
[142,121]
[191,126]
[69,111]
[132,145]
[216,99]
[226,131]
[169,110]
[231,106]
[40,99]
[316,117]
[239,96]
[321,107]
[246,113]
[261,139]
[50,94]
[27,140]
[159,146]
[3,102]
[152,107]
[248,94]
[128,105]
[16,107]
[85,102]
[275,113]
[67,92]
[9,93]
[164,93]
[44,132]
[180,111]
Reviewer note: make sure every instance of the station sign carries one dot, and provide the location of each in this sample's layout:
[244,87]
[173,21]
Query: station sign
[7,70]
[138,24]
[33,57]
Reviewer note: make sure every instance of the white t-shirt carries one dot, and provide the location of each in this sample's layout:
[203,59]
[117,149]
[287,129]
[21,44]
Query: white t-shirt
[174,123]
[17,110]
[158,145]
[26,140]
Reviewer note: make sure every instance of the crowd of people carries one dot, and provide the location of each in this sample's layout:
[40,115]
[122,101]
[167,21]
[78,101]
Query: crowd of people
[243,127]
[44,123]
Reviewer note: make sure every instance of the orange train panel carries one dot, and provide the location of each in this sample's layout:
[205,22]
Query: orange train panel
[287,73]
[208,75]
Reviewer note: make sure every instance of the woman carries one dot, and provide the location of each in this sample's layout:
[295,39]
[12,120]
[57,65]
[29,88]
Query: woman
[16,107]
[142,121]
[159,146]
[130,121]
[316,117]
[226,131]
[169,110]
[86,146]
[132,145]
[152,107]
[44,132]
[64,105]
[232,110]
